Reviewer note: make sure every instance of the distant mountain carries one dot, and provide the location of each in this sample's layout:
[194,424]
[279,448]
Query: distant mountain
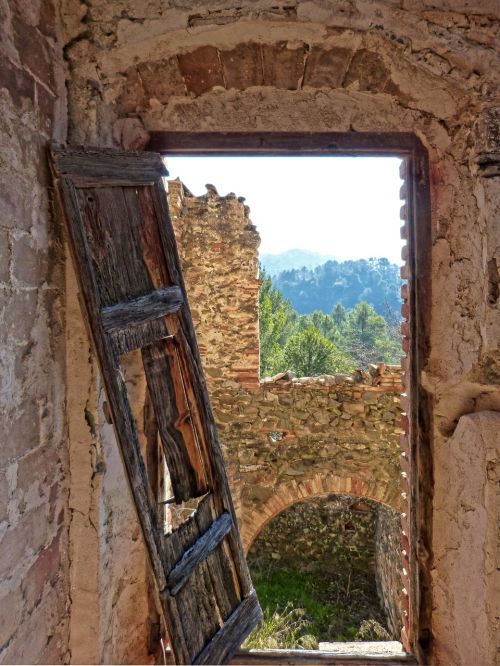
[284,261]
[375,281]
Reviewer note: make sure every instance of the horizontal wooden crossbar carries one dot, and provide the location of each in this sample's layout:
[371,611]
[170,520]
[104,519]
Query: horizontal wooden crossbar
[298,657]
[140,310]
[109,168]
[199,552]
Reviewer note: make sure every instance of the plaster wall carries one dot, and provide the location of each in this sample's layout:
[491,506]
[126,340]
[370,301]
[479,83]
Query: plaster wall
[34,511]
[386,65]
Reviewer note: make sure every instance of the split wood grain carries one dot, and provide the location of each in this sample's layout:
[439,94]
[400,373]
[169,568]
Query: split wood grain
[140,310]
[204,545]
[134,297]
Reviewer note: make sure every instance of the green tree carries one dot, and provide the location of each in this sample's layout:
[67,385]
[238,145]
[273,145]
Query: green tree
[325,324]
[366,336]
[339,314]
[309,353]
[277,320]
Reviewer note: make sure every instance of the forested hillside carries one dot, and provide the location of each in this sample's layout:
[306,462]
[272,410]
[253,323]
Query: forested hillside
[375,281]
[338,340]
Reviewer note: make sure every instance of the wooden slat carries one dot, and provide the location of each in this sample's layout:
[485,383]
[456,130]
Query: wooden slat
[197,553]
[298,657]
[139,336]
[220,569]
[152,305]
[282,143]
[313,657]
[115,387]
[236,628]
[109,167]
[180,446]
[187,628]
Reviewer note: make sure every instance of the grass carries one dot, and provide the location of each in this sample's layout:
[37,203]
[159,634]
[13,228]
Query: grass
[301,609]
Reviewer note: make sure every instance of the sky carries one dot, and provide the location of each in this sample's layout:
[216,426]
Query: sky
[345,207]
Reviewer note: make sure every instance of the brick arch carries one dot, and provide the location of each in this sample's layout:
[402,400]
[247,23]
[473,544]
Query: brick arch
[292,492]
[218,62]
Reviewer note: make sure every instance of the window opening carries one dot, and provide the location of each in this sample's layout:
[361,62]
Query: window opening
[339,308]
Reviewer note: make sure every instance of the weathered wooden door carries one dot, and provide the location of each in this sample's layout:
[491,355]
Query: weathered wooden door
[130,279]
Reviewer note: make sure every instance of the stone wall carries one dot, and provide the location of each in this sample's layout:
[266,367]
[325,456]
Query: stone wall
[284,431]
[348,65]
[34,517]
[388,565]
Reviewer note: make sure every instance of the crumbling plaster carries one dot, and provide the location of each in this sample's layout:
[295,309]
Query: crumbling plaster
[34,515]
[429,68]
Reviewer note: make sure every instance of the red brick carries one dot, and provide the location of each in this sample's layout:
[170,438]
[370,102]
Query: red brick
[201,70]
[368,70]
[22,540]
[160,80]
[242,66]
[283,67]
[10,615]
[18,315]
[17,81]
[37,467]
[326,69]
[4,500]
[4,256]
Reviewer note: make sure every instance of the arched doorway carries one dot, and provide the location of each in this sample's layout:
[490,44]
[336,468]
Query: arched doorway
[327,569]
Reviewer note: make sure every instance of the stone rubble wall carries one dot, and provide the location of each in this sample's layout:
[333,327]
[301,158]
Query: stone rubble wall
[34,482]
[274,431]
[388,564]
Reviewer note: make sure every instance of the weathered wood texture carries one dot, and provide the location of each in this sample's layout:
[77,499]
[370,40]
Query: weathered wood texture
[298,657]
[292,657]
[143,309]
[205,544]
[134,297]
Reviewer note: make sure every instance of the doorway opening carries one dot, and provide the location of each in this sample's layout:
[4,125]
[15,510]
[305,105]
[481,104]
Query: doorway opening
[416,198]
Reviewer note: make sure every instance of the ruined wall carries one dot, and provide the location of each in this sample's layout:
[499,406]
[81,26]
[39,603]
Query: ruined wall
[34,584]
[275,432]
[420,66]
[388,564]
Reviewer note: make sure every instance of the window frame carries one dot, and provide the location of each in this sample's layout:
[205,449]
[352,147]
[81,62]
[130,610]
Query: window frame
[416,214]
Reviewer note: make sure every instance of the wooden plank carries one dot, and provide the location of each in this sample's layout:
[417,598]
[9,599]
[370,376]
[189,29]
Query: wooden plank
[298,657]
[139,336]
[125,250]
[186,632]
[152,305]
[283,143]
[317,657]
[115,388]
[166,389]
[197,553]
[236,628]
[115,167]
[220,569]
